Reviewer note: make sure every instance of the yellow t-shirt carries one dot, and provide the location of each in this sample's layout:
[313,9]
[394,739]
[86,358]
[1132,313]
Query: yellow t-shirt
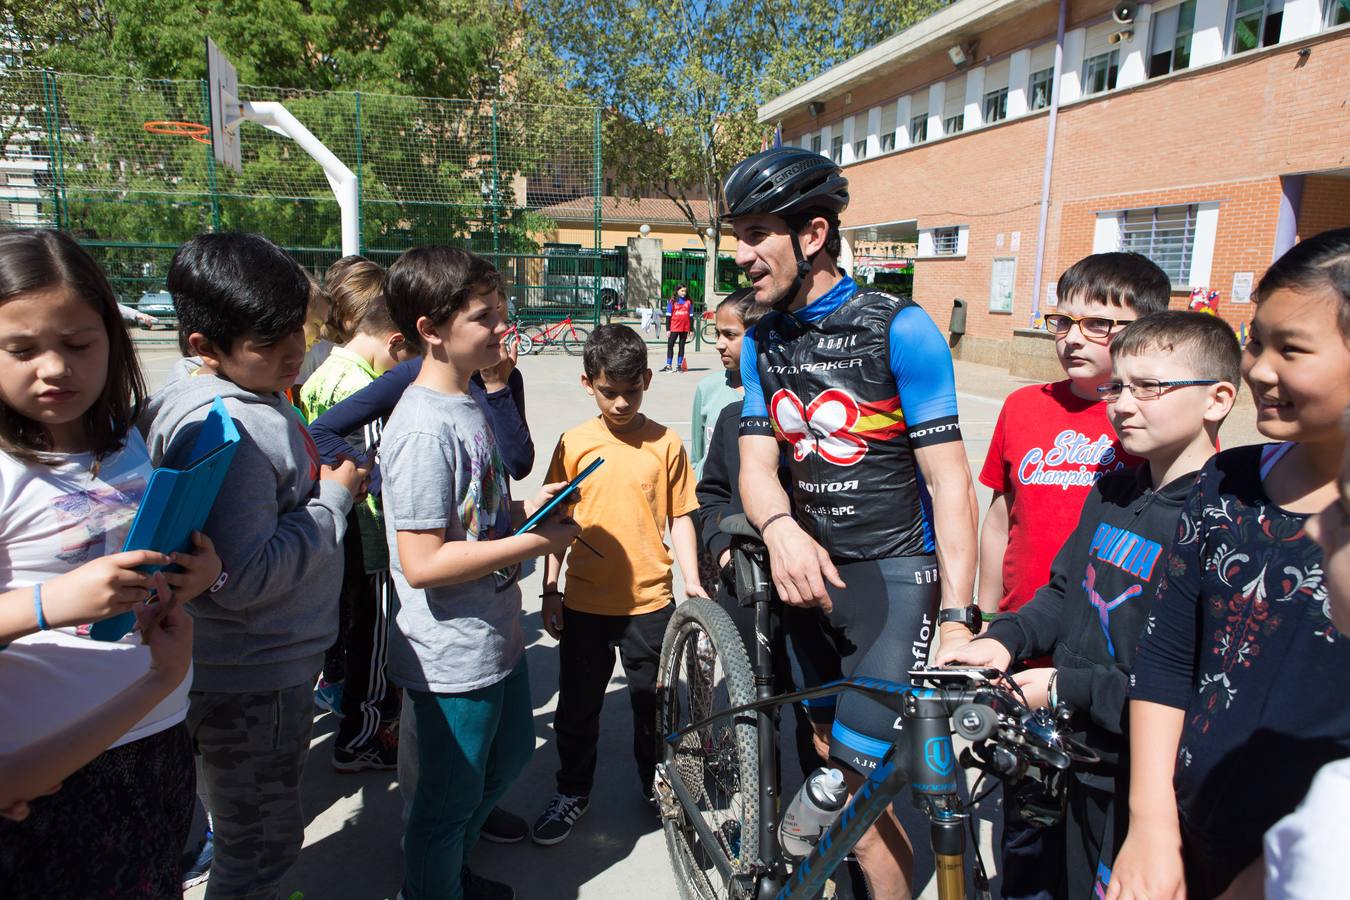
[624,508]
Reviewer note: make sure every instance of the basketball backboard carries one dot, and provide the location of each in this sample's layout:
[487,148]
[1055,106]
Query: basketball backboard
[222,83]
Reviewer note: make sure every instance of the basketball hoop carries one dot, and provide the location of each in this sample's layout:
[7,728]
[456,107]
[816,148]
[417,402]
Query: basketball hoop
[194,130]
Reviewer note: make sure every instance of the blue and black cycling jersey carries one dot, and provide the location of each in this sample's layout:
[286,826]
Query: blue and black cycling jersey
[853,383]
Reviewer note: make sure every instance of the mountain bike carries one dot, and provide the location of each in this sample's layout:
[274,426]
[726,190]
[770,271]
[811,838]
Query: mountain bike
[716,785]
[571,337]
[710,326]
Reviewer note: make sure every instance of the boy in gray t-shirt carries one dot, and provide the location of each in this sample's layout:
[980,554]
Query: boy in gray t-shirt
[457,648]
[442,471]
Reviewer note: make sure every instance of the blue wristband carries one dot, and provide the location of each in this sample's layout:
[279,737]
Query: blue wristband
[37,607]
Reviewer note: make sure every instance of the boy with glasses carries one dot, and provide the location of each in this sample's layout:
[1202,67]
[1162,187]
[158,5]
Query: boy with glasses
[1051,444]
[1173,380]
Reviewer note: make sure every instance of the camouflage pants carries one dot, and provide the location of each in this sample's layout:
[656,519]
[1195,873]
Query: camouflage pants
[253,749]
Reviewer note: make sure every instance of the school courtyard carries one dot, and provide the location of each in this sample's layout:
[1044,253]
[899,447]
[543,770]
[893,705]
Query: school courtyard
[618,850]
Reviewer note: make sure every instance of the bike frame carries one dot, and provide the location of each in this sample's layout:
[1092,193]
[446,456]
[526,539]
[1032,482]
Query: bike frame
[930,773]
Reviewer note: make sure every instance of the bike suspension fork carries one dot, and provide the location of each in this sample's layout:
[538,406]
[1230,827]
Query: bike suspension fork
[949,850]
[766,638]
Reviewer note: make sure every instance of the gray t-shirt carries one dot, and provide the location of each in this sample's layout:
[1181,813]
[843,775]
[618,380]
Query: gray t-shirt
[442,470]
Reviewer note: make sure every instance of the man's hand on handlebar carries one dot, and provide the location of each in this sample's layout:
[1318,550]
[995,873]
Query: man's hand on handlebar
[985,652]
[800,566]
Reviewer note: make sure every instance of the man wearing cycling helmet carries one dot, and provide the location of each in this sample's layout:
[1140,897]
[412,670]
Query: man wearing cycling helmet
[857,388]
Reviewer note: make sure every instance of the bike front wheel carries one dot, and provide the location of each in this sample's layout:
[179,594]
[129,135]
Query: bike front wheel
[537,336]
[704,669]
[522,342]
[574,339]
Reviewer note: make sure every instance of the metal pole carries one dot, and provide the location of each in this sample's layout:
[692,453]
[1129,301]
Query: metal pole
[599,176]
[275,117]
[360,234]
[1049,162]
[496,181]
[52,102]
[210,161]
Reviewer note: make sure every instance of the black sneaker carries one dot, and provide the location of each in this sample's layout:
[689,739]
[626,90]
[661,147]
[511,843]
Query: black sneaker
[379,754]
[476,887]
[556,823]
[504,827]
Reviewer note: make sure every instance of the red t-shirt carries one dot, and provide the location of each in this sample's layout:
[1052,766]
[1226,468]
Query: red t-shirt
[1048,449]
[681,315]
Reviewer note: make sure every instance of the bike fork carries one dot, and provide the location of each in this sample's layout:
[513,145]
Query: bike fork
[949,849]
[766,636]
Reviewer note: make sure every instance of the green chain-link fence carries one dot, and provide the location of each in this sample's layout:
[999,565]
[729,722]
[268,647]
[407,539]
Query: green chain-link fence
[76,156]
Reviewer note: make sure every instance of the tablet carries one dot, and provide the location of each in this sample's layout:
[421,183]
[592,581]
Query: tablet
[559,497]
[177,502]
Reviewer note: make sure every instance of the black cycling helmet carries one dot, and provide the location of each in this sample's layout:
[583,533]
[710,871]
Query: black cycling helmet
[785,181]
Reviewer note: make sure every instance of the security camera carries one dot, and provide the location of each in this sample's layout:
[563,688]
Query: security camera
[1125,12]
[815,108]
[1120,36]
[958,57]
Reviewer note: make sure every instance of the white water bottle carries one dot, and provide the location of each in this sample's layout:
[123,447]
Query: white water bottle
[812,811]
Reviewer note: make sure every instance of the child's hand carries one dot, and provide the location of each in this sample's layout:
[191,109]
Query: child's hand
[552,614]
[167,630]
[986,653]
[559,531]
[541,499]
[1148,867]
[201,569]
[20,809]
[1035,684]
[107,586]
[496,377]
[349,474]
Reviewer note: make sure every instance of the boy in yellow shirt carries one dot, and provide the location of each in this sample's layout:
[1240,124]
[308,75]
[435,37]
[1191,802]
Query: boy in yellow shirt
[621,597]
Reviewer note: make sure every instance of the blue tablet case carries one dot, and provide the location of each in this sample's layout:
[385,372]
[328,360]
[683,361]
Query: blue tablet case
[177,502]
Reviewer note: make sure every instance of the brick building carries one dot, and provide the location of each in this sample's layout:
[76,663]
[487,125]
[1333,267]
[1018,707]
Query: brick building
[1207,134]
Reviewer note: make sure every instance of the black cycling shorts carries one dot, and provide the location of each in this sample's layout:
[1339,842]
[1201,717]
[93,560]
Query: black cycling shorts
[881,626]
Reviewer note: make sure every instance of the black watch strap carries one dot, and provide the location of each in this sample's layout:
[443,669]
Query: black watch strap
[968,616]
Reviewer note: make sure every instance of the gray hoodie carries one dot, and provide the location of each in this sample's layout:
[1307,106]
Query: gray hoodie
[277,528]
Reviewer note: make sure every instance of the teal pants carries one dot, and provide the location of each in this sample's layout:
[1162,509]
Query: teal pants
[470,747]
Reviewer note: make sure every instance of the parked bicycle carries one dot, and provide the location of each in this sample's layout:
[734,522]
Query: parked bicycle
[710,326]
[571,337]
[516,339]
[716,781]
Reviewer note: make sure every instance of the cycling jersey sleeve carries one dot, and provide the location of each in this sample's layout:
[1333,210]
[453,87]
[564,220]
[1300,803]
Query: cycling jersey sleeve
[924,378]
[754,411]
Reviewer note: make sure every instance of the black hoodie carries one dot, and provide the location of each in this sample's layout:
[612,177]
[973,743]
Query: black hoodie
[1092,612]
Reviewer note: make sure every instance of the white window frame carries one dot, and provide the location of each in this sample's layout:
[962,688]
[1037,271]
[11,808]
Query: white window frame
[1110,60]
[918,128]
[1192,261]
[1266,13]
[837,149]
[1329,13]
[860,150]
[1171,18]
[999,110]
[954,124]
[815,142]
[888,141]
[952,240]
[1046,77]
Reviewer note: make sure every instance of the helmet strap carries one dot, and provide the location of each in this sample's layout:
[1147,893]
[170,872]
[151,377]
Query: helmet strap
[803,269]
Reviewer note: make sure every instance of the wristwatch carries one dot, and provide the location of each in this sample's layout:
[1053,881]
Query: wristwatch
[968,616]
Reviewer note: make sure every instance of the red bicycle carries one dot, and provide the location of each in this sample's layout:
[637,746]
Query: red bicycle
[571,337]
[516,337]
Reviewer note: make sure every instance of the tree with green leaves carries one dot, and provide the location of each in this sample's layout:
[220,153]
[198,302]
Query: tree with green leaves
[682,82]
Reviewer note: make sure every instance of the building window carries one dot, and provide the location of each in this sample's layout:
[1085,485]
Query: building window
[888,142]
[1099,72]
[996,106]
[946,241]
[1338,12]
[1256,23]
[1170,49]
[837,149]
[918,128]
[954,124]
[1039,89]
[815,143]
[1165,234]
[860,149]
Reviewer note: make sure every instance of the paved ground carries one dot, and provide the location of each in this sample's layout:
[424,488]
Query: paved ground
[351,843]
